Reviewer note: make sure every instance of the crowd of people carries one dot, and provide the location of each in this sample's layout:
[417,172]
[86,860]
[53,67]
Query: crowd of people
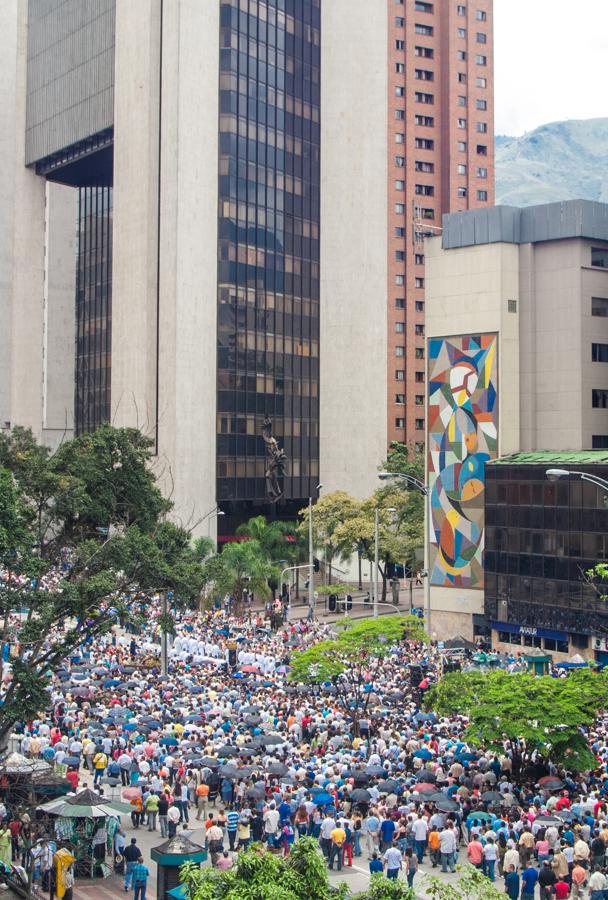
[225,749]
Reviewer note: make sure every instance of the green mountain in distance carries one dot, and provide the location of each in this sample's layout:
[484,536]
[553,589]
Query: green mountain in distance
[559,161]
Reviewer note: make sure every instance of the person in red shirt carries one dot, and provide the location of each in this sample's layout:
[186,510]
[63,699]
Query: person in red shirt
[72,777]
[561,889]
[563,802]
[14,827]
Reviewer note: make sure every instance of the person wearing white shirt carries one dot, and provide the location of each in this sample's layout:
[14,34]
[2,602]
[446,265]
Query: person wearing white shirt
[271,823]
[447,847]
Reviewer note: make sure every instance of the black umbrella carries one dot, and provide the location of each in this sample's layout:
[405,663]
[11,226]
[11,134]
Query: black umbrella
[425,775]
[277,768]
[234,773]
[395,695]
[447,805]
[360,795]
[252,709]
[269,740]
[209,761]
[388,786]
[375,770]
[491,796]
[228,750]
[71,761]
[436,796]
[253,720]
[552,784]
[549,820]
[358,775]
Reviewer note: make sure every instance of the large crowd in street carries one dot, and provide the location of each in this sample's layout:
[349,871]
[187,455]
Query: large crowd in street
[232,743]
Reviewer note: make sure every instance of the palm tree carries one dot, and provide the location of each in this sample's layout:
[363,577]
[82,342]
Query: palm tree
[244,566]
[271,536]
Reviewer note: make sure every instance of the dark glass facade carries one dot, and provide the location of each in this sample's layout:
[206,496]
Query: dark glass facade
[268,249]
[93,309]
[540,537]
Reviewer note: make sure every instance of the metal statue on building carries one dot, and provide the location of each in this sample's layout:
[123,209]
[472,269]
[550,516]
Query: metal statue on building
[275,463]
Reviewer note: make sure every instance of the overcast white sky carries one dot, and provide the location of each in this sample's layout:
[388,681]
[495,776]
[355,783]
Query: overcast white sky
[551,62]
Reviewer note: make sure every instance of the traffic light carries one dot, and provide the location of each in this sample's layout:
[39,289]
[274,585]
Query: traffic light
[332,602]
[349,602]
[316,565]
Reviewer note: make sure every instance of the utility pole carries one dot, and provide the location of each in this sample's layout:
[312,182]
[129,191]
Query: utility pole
[163,634]
[311,569]
[375,581]
[311,561]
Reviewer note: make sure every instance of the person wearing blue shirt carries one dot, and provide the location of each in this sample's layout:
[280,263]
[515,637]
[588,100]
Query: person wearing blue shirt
[512,884]
[140,879]
[232,820]
[375,864]
[387,830]
[529,877]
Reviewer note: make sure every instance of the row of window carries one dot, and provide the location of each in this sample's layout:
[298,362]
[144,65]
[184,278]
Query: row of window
[400,423]
[426,7]
[429,144]
[419,305]
[400,351]
[423,212]
[400,376]
[418,399]
[400,329]
[509,637]
[481,172]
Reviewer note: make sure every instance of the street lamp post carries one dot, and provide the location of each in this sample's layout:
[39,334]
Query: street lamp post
[421,487]
[211,515]
[375,579]
[311,563]
[164,655]
[556,474]
[376,560]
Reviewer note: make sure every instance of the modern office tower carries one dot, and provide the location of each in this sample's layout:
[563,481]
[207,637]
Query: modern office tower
[440,160]
[205,226]
[517,345]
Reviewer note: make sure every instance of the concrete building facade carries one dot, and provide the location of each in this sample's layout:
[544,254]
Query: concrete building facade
[516,326]
[215,213]
[440,160]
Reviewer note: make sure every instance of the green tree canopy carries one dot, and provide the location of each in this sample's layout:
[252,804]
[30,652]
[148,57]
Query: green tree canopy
[87,527]
[399,532]
[260,875]
[272,537]
[352,661]
[241,566]
[528,712]
[328,513]
[404,458]
[471,885]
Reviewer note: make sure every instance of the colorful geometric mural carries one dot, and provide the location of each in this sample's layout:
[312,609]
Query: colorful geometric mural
[463,436]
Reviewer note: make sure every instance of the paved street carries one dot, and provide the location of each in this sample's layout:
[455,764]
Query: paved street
[356,877]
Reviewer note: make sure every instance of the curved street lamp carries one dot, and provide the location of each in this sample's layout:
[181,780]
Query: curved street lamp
[556,474]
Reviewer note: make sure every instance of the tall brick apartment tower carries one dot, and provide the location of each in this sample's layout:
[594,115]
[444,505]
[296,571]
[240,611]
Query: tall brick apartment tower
[440,159]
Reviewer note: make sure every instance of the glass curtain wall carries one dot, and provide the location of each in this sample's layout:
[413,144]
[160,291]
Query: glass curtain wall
[268,245]
[540,537]
[93,309]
